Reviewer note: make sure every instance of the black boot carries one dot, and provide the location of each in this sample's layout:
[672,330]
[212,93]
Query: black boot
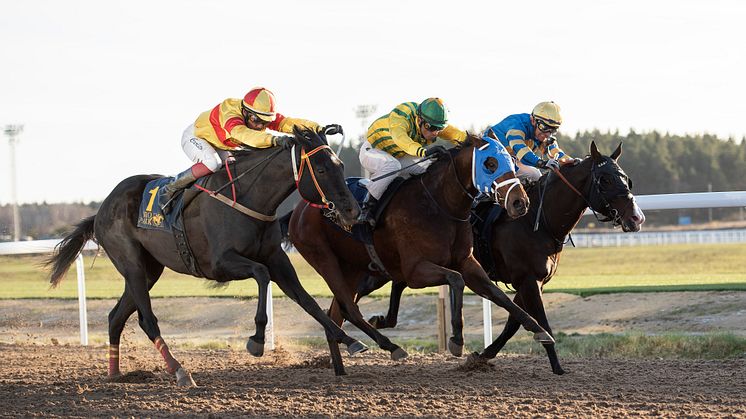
[366,215]
[181,181]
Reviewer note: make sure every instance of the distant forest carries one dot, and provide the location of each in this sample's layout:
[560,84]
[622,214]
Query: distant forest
[657,163]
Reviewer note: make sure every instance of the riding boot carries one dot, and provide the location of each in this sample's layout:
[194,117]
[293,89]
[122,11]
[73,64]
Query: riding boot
[366,214]
[181,181]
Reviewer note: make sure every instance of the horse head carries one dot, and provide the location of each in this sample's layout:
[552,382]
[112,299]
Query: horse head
[611,193]
[493,174]
[319,175]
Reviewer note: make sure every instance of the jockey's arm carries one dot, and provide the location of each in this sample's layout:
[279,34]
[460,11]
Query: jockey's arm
[517,143]
[262,139]
[399,129]
[556,153]
[452,134]
[286,124]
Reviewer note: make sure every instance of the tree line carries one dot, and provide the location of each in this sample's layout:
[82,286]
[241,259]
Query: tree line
[656,162]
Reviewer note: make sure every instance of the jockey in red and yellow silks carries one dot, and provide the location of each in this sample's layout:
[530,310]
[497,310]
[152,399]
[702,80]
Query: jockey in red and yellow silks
[231,124]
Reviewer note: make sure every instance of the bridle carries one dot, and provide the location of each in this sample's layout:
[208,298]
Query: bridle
[298,171]
[607,212]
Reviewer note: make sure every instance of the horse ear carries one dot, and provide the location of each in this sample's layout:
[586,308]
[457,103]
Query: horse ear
[594,152]
[618,152]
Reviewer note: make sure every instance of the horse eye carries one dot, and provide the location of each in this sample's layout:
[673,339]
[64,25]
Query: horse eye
[491,165]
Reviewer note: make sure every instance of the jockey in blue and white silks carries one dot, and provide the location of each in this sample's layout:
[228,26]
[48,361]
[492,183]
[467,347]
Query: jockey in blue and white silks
[528,137]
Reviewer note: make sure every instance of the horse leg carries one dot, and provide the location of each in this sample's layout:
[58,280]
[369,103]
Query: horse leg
[476,279]
[335,313]
[392,316]
[344,303]
[529,298]
[428,274]
[283,274]
[140,272]
[230,265]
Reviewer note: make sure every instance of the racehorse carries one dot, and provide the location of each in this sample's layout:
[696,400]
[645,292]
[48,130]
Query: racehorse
[525,253]
[227,244]
[423,239]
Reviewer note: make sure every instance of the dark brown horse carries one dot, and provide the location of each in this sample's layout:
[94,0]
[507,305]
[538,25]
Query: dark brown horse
[423,239]
[227,244]
[526,258]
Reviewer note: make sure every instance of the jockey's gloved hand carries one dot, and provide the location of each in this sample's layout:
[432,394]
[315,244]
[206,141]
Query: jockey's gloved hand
[547,164]
[333,129]
[435,150]
[284,141]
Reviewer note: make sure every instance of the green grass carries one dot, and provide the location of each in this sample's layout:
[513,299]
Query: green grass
[604,345]
[582,271]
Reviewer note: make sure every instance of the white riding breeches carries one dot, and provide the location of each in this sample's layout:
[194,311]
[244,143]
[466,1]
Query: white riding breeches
[200,151]
[525,171]
[378,162]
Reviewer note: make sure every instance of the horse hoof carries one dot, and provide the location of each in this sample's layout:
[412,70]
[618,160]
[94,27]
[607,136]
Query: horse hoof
[543,337]
[356,348]
[255,348]
[559,371]
[184,378]
[454,348]
[376,321]
[399,354]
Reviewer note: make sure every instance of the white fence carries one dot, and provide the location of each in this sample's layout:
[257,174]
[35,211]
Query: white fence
[667,201]
[658,238]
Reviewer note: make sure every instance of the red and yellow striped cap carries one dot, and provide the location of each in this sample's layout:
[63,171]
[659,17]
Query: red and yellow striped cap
[261,102]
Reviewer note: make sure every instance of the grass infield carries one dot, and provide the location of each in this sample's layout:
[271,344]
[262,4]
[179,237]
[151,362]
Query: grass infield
[582,271]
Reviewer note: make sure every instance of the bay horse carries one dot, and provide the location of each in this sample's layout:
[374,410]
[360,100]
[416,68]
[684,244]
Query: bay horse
[227,244]
[423,238]
[526,257]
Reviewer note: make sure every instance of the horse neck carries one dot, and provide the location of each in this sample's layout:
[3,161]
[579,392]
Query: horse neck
[448,188]
[268,184]
[563,208]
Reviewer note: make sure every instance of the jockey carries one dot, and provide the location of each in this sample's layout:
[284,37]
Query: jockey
[526,135]
[227,126]
[397,140]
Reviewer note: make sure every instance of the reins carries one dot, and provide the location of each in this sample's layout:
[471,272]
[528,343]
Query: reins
[298,170]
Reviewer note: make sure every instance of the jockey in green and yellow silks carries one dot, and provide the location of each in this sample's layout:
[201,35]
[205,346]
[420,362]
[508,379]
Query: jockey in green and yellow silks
[398,139]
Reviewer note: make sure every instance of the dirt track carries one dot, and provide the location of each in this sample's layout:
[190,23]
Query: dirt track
[44,372]
[53,381]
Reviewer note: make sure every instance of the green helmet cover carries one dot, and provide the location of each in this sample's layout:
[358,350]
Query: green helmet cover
[434,112]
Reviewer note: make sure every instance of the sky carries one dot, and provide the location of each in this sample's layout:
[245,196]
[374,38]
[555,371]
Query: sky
[105,89]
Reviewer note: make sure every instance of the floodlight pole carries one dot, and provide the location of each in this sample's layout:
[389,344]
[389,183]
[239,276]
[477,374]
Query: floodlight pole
[12,131]
[363,112]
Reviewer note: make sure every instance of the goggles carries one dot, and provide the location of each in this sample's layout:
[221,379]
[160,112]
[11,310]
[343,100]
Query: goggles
[544,127]
[430,127]
[254,119]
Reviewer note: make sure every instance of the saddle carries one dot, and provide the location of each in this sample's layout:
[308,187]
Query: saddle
[151,217]
[363,232]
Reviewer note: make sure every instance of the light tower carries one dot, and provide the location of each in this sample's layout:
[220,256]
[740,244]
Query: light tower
[12,131]
[363,112]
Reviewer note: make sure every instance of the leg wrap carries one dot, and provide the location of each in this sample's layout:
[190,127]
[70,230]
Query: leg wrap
[113,360]
[171,363]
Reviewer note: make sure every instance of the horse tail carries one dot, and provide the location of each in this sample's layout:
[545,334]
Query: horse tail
[68,249]
[285,227]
